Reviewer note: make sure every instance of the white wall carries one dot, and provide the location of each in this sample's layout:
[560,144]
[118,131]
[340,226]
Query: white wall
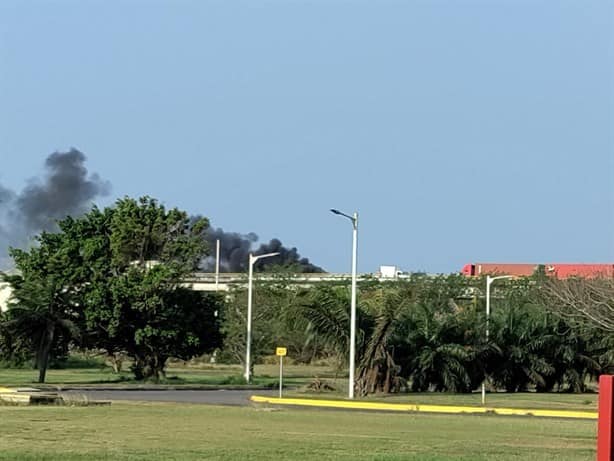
[5,293]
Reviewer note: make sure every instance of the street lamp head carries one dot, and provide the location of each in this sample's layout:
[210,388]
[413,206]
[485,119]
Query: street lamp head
[490,279]
[268,255]
[354,218]
[253,259]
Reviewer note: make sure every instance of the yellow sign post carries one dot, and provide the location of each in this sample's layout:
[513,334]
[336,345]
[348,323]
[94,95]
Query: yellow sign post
[281,352]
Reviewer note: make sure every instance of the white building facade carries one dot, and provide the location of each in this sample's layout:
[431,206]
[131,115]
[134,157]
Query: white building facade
[5,294]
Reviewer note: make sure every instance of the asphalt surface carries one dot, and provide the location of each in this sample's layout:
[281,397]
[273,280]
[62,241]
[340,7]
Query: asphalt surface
[210,397]
[242,398]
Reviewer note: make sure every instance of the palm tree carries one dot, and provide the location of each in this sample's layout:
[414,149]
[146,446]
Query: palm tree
[574,355]
[437,356]
[378,371]
[327,315]
[522,335]
[40,316]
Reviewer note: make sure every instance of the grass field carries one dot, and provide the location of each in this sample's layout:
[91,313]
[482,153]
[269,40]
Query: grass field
[294,375]
[191,432]
[205,374]
[552,401]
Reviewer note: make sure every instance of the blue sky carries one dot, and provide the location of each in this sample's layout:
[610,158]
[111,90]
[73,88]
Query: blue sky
[459,130]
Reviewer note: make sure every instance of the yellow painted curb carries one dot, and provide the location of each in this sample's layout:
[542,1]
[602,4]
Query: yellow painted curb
[424,408]
[7,389]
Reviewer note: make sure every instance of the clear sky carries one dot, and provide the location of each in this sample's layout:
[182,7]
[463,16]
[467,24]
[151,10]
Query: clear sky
[460,130]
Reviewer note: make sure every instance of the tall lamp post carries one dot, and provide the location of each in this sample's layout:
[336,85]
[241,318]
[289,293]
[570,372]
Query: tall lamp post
[252,260]
[354,220]
[489,281]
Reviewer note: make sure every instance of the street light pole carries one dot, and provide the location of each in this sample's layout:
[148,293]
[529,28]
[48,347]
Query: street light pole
[489,281]
[252,260]
[217,264]
[354,220]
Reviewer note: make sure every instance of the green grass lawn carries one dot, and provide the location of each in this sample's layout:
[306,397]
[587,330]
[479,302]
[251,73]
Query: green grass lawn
[190,432]
[27,377]
[532,400]
[554,401]
[294,375]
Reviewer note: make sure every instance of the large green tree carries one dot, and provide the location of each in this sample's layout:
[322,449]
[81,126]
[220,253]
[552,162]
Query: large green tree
[123,267]
[136,255]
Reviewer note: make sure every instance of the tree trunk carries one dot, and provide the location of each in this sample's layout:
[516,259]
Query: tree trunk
[44,351]
[149,367]
[116,359]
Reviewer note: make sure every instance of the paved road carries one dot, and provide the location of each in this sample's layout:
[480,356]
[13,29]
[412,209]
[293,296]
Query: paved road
[214,397]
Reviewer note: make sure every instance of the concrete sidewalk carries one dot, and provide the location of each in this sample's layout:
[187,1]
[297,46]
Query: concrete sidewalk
[400,407]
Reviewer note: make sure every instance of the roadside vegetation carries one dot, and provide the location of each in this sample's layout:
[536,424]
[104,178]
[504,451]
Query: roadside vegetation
[108,285]
[428,334]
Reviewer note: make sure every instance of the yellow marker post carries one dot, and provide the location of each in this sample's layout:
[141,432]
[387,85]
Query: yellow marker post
[280,352]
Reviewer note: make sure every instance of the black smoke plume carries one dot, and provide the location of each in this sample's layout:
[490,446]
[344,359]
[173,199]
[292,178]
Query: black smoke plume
[235,249]
[66,189]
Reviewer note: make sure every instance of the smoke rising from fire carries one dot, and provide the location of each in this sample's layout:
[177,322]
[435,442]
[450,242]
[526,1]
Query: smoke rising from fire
[65,190]
[235,249]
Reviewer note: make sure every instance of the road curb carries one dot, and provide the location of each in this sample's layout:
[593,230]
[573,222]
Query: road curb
[399,407]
